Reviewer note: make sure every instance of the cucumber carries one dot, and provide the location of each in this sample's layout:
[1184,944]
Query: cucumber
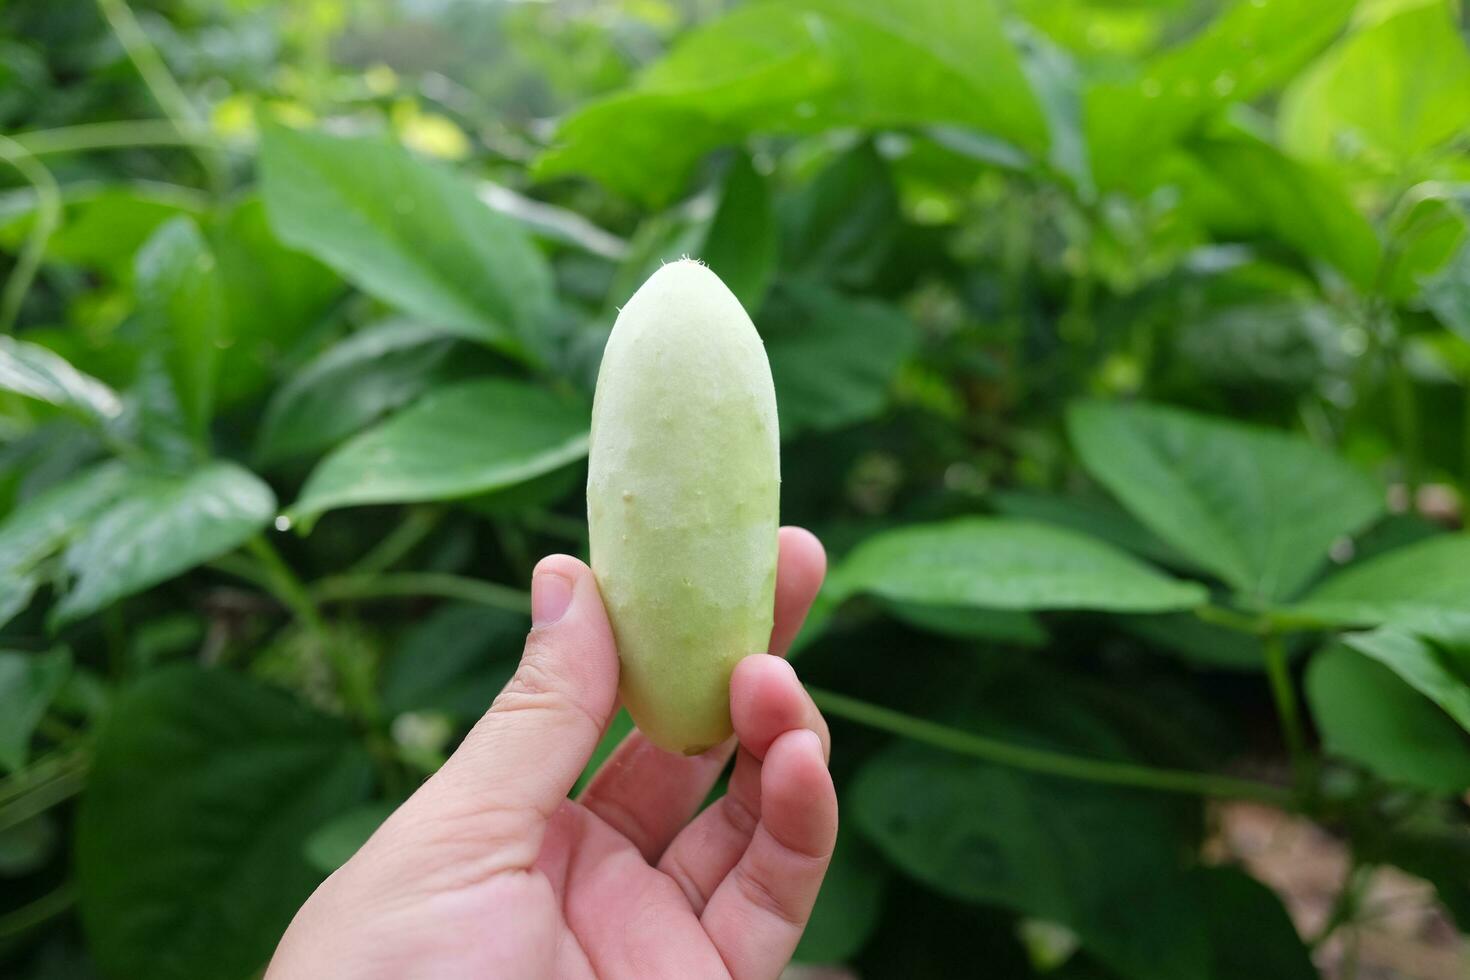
[683,498]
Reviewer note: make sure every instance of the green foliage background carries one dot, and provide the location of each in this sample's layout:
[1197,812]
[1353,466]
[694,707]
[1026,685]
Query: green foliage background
[1121,351]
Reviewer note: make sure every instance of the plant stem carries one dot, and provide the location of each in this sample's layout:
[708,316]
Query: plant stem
[109,136]
[1044,761]
[49,781]
[48,219]
[1230,618]
[161,84]
[1283,691]
[417,525]
[348,587]
[34,913]
[284,585]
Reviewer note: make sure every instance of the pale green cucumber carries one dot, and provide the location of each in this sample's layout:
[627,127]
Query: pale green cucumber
[683,495]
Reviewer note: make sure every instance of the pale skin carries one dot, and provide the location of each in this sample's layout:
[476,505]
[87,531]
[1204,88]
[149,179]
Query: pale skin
[489,870]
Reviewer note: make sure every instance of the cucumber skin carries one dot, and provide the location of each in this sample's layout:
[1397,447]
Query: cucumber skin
[683,500]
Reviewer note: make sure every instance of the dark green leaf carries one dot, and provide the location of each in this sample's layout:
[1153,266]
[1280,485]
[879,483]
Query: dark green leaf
[32,371]
[27,846]
[1095,516]
[842,225]
[456,661]
[832,358]
[848,905]
[1096,860]
[1257,507]
[968,622]
[182,303]
[352,383]
[998,563]
[189,836]
[1251,934]
[28,683]
[1200,642]
[740,245]
[408,232]
[1420,580]
[39,527]
[1447,293]
[162,526]
[1368,715]
[455,442]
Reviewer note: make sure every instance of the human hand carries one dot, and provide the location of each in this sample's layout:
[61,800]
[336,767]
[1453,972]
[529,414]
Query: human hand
[490,871]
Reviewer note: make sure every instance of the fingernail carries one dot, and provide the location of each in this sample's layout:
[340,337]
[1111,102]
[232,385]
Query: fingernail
[551,594]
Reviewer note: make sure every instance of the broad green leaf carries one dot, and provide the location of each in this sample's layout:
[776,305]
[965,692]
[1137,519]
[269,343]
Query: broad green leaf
[848,906]
[1421,580]
[841,226]
[1248,50]
[1251,933]
[354,382]
[28,683]
[189,836]
[1436,849]
[161,526]
[998,563]
[454,442]
[33,371]
[1097,860]
[105,223]
[274,296]
[27,846]
[331,845]
[1368,715]
[1385,94]
[832,358]
[1303,207]
[1093,515]
[412,234]
[970,623]
[1257,507]
[740,245]
[801,66]
[182,303]
[455,660]
[1434,660]
[38,527]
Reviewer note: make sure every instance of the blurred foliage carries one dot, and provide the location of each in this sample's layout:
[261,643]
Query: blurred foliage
[1122,354]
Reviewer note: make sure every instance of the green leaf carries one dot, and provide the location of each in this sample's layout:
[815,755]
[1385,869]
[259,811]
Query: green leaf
[1094,859]
[162,526]
[332,845]
[832,358]
[1251,934]
[408,232]
[189,835]
[842,226]
[28,683]
[1447,292]
[1423,579]
[1434,660]
[1257,507]
[740,245]
[998,563]
[27,846]
[1368,715]
[799,67]
[1249,49]
[182,302]
[1094,515]
[354,382]
[456,660]
[38,527]
[273,297]
[1384,95]
[32,371]
[454,442]
[1199,642]
[16,590]
[1304,207]
[848,906]
[970,623]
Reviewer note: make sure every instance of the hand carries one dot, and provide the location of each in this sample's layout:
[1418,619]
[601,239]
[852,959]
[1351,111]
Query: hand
[490,871]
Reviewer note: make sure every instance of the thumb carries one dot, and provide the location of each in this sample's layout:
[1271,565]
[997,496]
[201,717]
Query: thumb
[518,763]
